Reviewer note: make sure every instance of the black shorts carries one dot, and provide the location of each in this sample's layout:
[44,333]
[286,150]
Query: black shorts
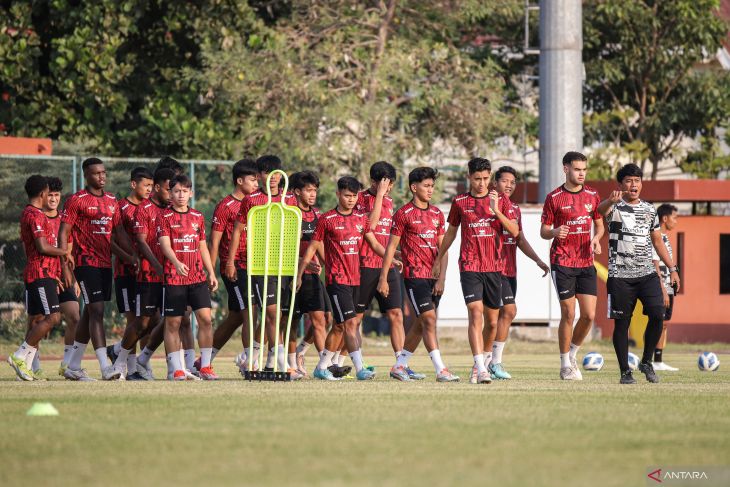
[369,289]
[149,298]
[667,311]
[509,290]
[95,283]
[420,293]
[67,295]
[125,289]
[271,290]
[570,281]
[237,299]
[311,296]
[343,301]
[41,297]
[482,286]
[623,293]
[176,299]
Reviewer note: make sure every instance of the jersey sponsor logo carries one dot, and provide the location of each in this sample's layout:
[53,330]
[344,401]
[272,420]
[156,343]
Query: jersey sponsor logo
[581,220]
[482,223]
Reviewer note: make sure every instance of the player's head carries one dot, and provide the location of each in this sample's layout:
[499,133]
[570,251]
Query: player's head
[629,179]
[245,176]
[55,187]
[162,184]
[382,170]
[141,181]
[421,182]
[480,170]
[181,188]
[667,215]
[575,167]
[268,164]
[167,162]
[94,173]
[347,189]
[505,180]
[305,185]
[36,186]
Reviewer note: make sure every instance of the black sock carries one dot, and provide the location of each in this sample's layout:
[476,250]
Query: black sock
[621,343]
[651,337]
[658,355]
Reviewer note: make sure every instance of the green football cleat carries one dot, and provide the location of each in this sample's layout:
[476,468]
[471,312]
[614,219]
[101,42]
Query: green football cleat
[39,375]
[497,372]
[20,367]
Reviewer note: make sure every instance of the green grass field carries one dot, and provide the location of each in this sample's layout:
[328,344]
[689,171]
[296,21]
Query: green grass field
[532,430]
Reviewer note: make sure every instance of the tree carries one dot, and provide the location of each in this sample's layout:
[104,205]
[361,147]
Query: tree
[645,86]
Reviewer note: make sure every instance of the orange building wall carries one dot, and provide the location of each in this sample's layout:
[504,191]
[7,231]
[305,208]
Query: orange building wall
[25,146]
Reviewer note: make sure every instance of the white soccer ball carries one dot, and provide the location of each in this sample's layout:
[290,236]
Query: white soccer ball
[593,361]
[633,361]
[708,362]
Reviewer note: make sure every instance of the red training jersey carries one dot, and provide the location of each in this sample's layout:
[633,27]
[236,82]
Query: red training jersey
[577,211]
[35,224]
[365,204]
[146,217]
[127,209]
[481,232]
[186,231]
[224,217]
[419,231]
[91,219]
[509,245]
[256,198]
[309,225]
[343,236]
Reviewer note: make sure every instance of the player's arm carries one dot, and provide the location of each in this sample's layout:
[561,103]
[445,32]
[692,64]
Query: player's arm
[665,294]
[438,288]
[169,254]
[661,250]
[147,253]
[215,242]
[605,206]
[306,259]
[42,246]
[208,264]
[230,268]
[527,249]
[374,215]
[446,241]
[122,245]
[383,287]
[508,224]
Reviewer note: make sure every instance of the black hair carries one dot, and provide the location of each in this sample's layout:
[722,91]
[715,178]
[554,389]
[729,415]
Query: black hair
[167,162]
[268,163]
[243,168]
[302,179]
[55,185]
[629,170]
[505,169]
[479,164]
[571,156]
[91,161]
[665,209]
[182,180]
[140,173]
[421,174]
[35,185]
[382,170]
[164,174]
[348,183]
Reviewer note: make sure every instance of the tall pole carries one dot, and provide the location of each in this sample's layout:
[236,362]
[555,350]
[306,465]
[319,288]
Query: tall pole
[561,81]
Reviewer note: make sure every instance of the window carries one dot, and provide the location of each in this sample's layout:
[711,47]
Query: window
[724,263]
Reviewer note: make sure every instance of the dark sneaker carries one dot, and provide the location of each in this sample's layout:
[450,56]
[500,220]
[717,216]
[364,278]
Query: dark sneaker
[135,376]
[648,371]
[627,378]
[111,354]
[338,371]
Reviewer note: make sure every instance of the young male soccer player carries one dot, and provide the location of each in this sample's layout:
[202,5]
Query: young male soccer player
[376,203]
[505,181]
[568,214]
[482,215]
[341,233]
[92,217]
[41,275]
[419,229]
[667,215]
[181,233]
[633,229]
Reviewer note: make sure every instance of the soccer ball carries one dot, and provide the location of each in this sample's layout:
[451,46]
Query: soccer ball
[593,361]
[708,362]
[633,361]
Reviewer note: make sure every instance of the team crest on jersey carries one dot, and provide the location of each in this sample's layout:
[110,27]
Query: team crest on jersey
[195,226]
[359,228]
[436,222]
[111,208]
[589,207]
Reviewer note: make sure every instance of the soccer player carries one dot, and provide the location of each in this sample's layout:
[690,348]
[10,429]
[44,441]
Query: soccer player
[482,215]
[419,229]
[92,217]
[667,215]
[376,203]
[41,275]
[341,233]
[181,234]
[568,214]
[245,182]
[505,181]
[633,229]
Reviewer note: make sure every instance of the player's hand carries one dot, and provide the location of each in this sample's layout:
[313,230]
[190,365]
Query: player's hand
[383,186]
[77,290]
[212,283]
[314,267]
[438,288]
[665,295]
[60,286]
[436,270]
[596,246]
[129,259]
[159,270]
[398,265]
[674,278]
[544,267]
[181,268]
[68,260]
[230,271]
[68,282]
[561,232]
[383,288]
[493,200]
[615,196]
[299,282]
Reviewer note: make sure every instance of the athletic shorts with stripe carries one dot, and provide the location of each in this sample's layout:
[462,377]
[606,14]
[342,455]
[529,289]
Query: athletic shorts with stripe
[149,298]
[125,289]
[95,283]
[419,292]
[176,299]
[271,290]
[311,296]
[569,281]
[369,278]
[41,297]
[482,286]
[67,295]
[237,299]
[343,300]
[623,293]
[509,290]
